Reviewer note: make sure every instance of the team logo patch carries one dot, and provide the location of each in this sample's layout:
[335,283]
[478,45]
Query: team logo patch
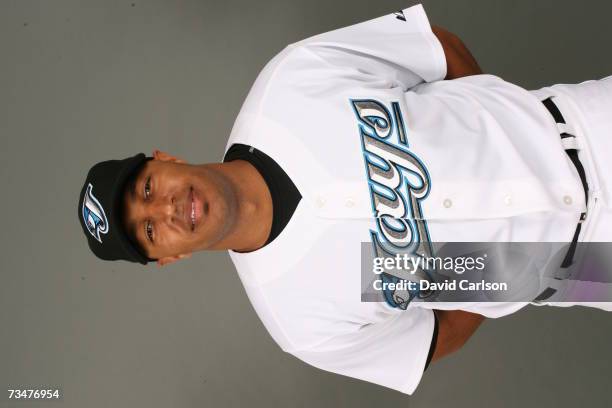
[93,215]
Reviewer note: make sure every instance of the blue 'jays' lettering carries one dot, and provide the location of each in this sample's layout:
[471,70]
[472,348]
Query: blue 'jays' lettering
[398,182]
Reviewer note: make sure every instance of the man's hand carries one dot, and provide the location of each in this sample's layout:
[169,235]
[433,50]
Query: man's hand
[455,327]
[459,61]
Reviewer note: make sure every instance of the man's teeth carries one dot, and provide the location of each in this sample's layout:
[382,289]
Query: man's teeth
[192,213]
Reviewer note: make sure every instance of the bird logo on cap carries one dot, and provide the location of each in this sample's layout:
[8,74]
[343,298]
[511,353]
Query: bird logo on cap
[93,214]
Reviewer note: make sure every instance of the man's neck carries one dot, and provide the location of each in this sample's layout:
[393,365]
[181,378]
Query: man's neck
[253,213]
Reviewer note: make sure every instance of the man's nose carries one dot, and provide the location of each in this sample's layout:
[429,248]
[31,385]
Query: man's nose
[163,208]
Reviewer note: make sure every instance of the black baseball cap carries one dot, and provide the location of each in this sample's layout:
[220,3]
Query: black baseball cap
[100,212]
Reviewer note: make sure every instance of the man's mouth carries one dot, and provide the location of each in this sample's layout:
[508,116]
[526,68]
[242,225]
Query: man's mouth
[194,207]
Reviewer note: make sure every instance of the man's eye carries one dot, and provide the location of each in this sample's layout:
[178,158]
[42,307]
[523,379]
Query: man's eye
[149,230]
[147,187]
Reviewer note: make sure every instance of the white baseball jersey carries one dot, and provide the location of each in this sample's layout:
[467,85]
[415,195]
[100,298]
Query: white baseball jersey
[341,112]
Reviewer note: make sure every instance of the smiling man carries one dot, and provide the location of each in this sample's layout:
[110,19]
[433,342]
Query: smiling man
[172,209]
[384,134]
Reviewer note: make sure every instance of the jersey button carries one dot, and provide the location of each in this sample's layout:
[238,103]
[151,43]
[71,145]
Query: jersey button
[447,203]
[508,200]
[320,202]
[349,202]
[567,200]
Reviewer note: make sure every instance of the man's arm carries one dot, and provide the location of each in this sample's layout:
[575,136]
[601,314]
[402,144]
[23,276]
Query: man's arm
[455,327]
[459,61]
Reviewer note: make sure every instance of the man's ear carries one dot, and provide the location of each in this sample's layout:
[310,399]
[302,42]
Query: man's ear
[163,156]
[169,259]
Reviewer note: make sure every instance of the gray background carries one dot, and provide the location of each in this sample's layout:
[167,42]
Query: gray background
[82,81]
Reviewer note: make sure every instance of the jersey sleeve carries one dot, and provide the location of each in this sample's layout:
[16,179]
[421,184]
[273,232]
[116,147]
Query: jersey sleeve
[399,46]
[392,353]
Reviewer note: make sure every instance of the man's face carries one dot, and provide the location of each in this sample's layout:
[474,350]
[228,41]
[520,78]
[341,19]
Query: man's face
[172,208]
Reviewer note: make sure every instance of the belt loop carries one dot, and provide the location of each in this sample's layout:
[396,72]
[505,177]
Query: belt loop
[566,129]
[570,142]
[571,146]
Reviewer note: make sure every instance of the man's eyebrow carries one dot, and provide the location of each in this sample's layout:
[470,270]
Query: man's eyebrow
[130,188]
[136,232]
[133,186]
[134,228]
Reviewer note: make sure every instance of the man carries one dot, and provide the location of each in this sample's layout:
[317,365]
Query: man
[385,133]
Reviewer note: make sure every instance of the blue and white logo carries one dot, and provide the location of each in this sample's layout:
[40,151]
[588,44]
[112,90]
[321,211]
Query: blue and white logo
[93,215]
